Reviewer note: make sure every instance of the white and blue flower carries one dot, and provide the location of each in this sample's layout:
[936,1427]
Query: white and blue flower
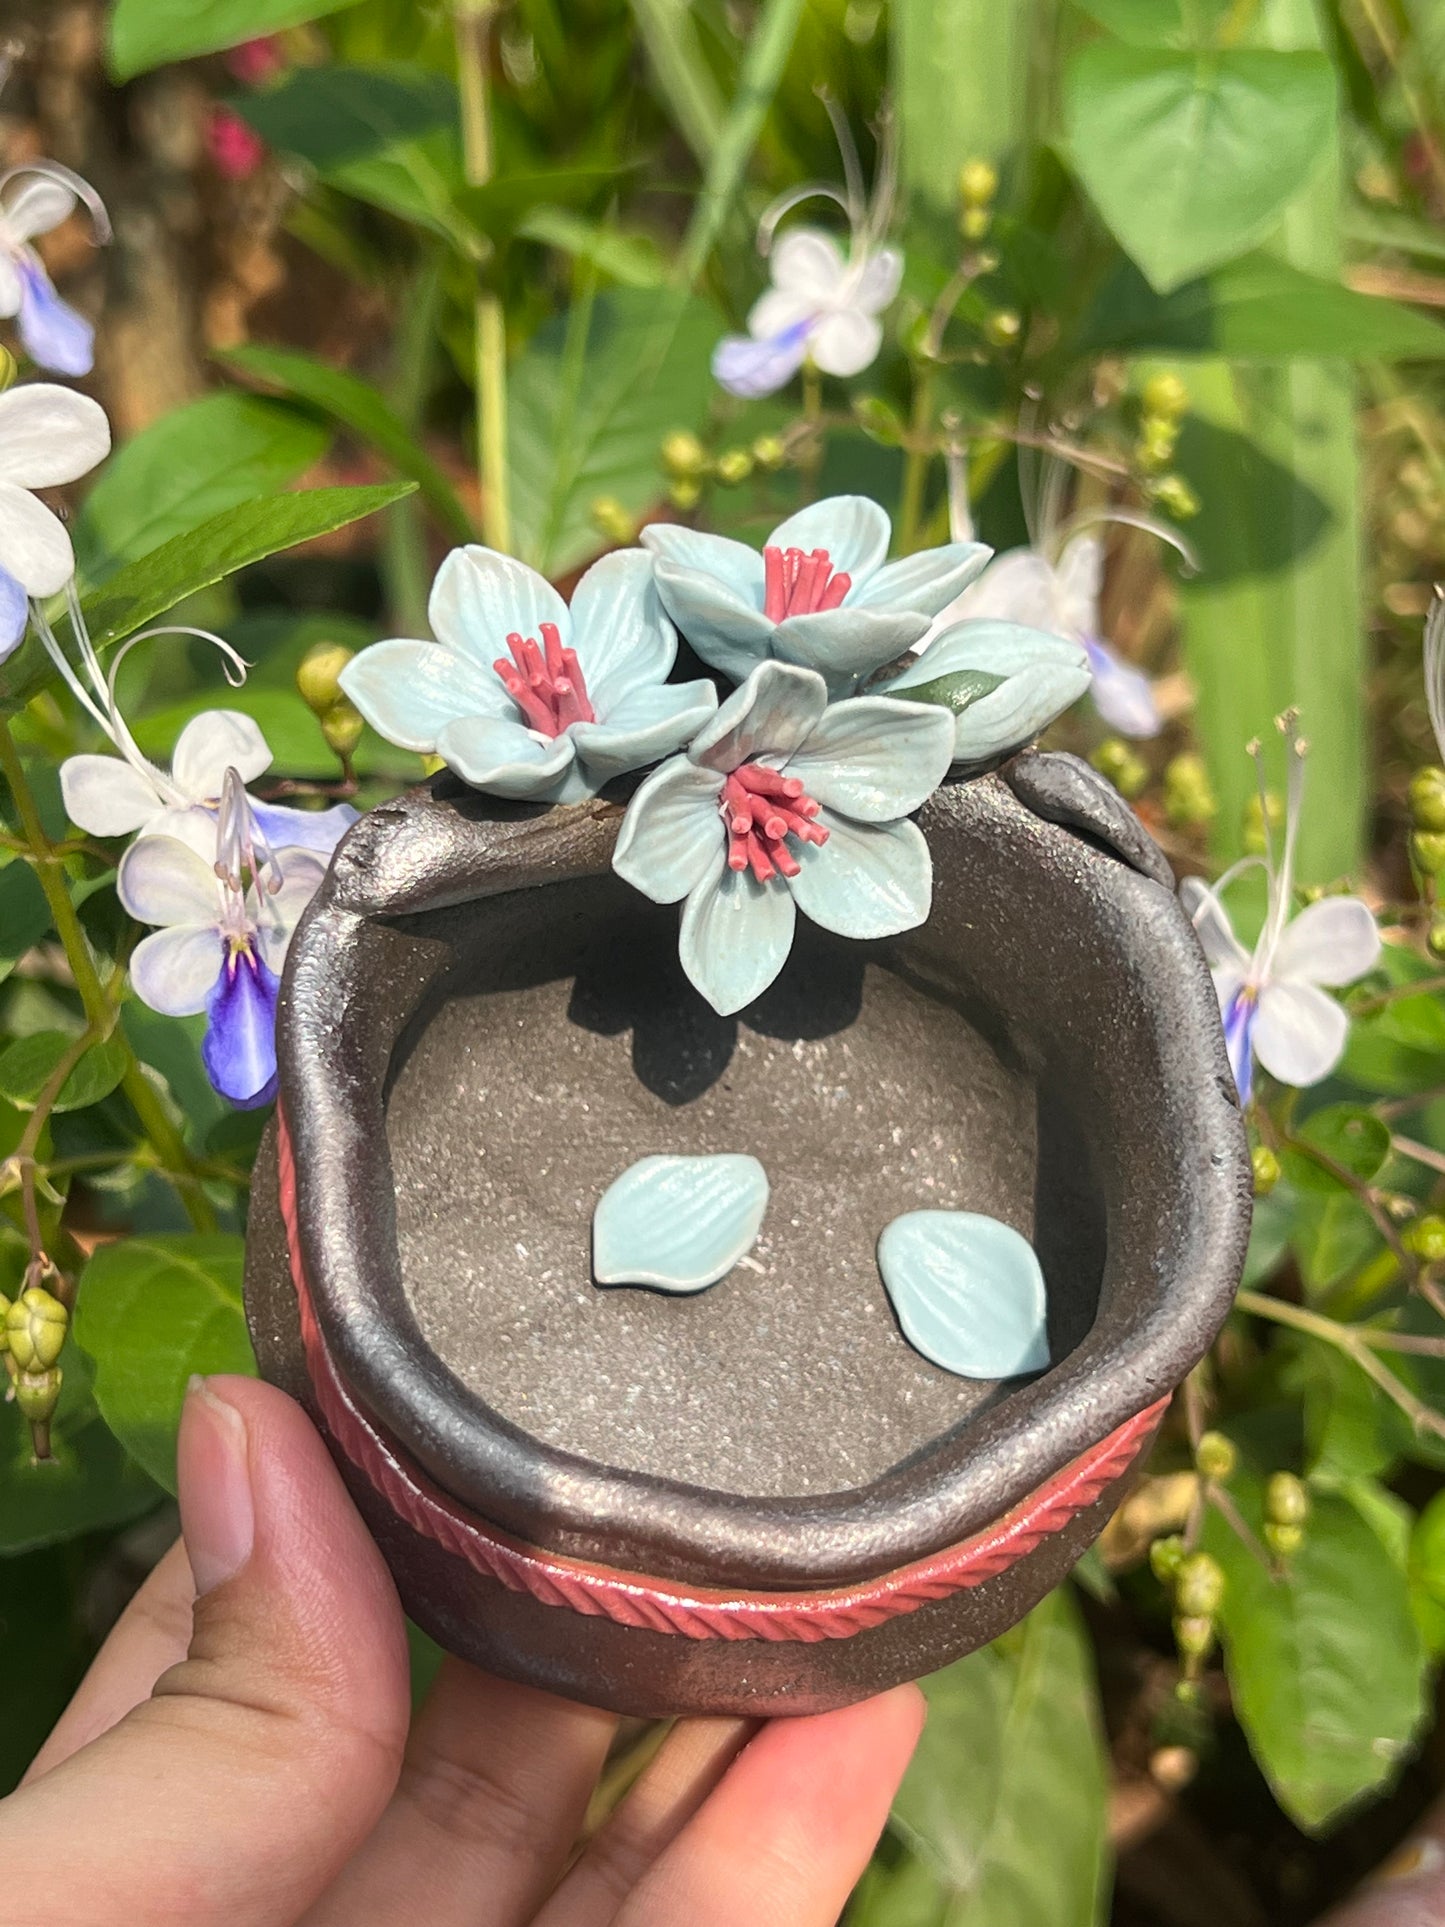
[226,905]
[48,436]
[822,306]
[822,594]
[521,695]
[786,803]
[34,198]
[1273,999]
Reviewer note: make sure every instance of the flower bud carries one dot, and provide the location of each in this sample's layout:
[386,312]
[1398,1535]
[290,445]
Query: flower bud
[317,676]
[1157,439]
[1435,938]
[4,1314]
[1286,1500]
[1194,1635]
[342,725]
[974,223]
[977,182]
[1173,1767]
[37,1394]
[8,370]
[1199,1586]
[683,456]
[1427,851]
[1283,1541]
[1215,1457]
[35,1326]
[734,466]
[1165,1558]
[770,452]
[1425,1238]
[1427,798]
[1166,395]
[1266,1170]
[1189,797]
[1003,327]
[1176,497]
[612,520]
[685,495]
[1125,770]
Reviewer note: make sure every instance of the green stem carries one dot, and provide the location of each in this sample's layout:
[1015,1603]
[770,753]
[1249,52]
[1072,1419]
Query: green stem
[474,33]
[920,454]
[100,1012]
[810,455]
[404,554]
[1349,1340]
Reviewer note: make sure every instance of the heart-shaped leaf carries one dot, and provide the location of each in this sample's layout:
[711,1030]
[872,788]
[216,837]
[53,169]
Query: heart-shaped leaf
[968,1292]
[1191,156]
[678,1224]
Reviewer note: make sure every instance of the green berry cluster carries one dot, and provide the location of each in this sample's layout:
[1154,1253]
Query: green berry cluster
[32,1337]
[688,466]
[1163,406]
[319,686]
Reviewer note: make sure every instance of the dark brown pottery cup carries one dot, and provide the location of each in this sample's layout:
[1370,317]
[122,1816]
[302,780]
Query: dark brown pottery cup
[759,1500]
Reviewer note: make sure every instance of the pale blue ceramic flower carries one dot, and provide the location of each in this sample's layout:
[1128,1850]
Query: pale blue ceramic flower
[968,1292]
[822,593]
[521,695]
[678,1223]
[785,803]
[226,905]
[1003,684]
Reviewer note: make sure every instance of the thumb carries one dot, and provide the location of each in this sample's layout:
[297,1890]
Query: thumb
[239,1788]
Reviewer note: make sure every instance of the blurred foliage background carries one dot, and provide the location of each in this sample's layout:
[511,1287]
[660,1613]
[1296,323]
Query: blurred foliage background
[487,252]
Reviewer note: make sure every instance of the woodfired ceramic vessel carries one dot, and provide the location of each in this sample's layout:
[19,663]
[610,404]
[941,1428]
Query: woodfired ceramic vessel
[761,1499]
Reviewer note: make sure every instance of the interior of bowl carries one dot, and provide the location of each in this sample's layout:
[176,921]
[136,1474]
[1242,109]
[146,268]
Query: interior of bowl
[562,1043]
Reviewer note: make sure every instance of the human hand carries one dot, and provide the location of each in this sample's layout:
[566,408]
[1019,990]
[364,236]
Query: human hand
[242,1752]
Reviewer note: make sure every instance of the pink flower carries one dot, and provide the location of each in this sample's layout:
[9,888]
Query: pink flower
[236,149]
[256,61]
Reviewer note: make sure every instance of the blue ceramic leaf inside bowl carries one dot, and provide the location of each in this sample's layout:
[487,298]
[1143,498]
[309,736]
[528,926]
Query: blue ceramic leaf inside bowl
[968,1292]
[678,1223]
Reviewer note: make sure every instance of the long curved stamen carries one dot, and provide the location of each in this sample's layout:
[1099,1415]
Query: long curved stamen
[51,643]
[101,230]
[1279,859]
[785,203]
[1133,519]
[955,466]
[1435,667]
[885,177]
[245,862]
[857,194]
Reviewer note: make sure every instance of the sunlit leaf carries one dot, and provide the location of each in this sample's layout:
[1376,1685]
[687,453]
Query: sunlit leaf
[145,33]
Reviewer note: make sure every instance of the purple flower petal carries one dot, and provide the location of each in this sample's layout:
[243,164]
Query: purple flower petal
[1240,1016]
[14,615]
[1123,695]
[239,1047]
[55,336]
[287,829]
[752,369]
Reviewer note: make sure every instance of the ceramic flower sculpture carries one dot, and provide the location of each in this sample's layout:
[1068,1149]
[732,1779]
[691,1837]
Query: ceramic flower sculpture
[822,593]
[525,697]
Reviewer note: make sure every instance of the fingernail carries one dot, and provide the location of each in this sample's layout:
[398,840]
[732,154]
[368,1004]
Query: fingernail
[218,1517]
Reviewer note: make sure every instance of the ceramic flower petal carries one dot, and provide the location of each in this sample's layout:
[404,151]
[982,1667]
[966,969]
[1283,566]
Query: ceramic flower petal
[479,597]
[678,1223]
[503,757]
[1298,1033]
[1329,942]
[733,565]
[968,1292]
[104,796]
[728,634]
[735,937]
[852,528]
[926,582]
[875,758]
[1039,676]
[670,835]
[844,644]
[409,691]
[772,714]
[174,971]
[622,637]
[868,880]
[647,724]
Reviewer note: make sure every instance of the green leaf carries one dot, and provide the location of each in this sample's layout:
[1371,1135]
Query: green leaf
[151,587]
[90,1482]
[668,30]
[632,259]
[1191,157]
[957,692]
[590,401]
[194,463]
[1256,309]
[357,406]
[27,1065]
[961,73]
[1352,1431]
[1160,23]
[24,913]
[145,33]
[1427,1574]
[331,115]
[150,1312]
[1005,1801]
[1354,1139]
[1325,1663]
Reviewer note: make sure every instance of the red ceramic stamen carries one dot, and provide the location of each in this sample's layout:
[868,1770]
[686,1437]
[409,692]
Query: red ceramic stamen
[795,584]
[545,682]
[762,808]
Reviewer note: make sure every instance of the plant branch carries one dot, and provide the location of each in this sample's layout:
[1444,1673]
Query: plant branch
[1349,1340]
[474,40]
